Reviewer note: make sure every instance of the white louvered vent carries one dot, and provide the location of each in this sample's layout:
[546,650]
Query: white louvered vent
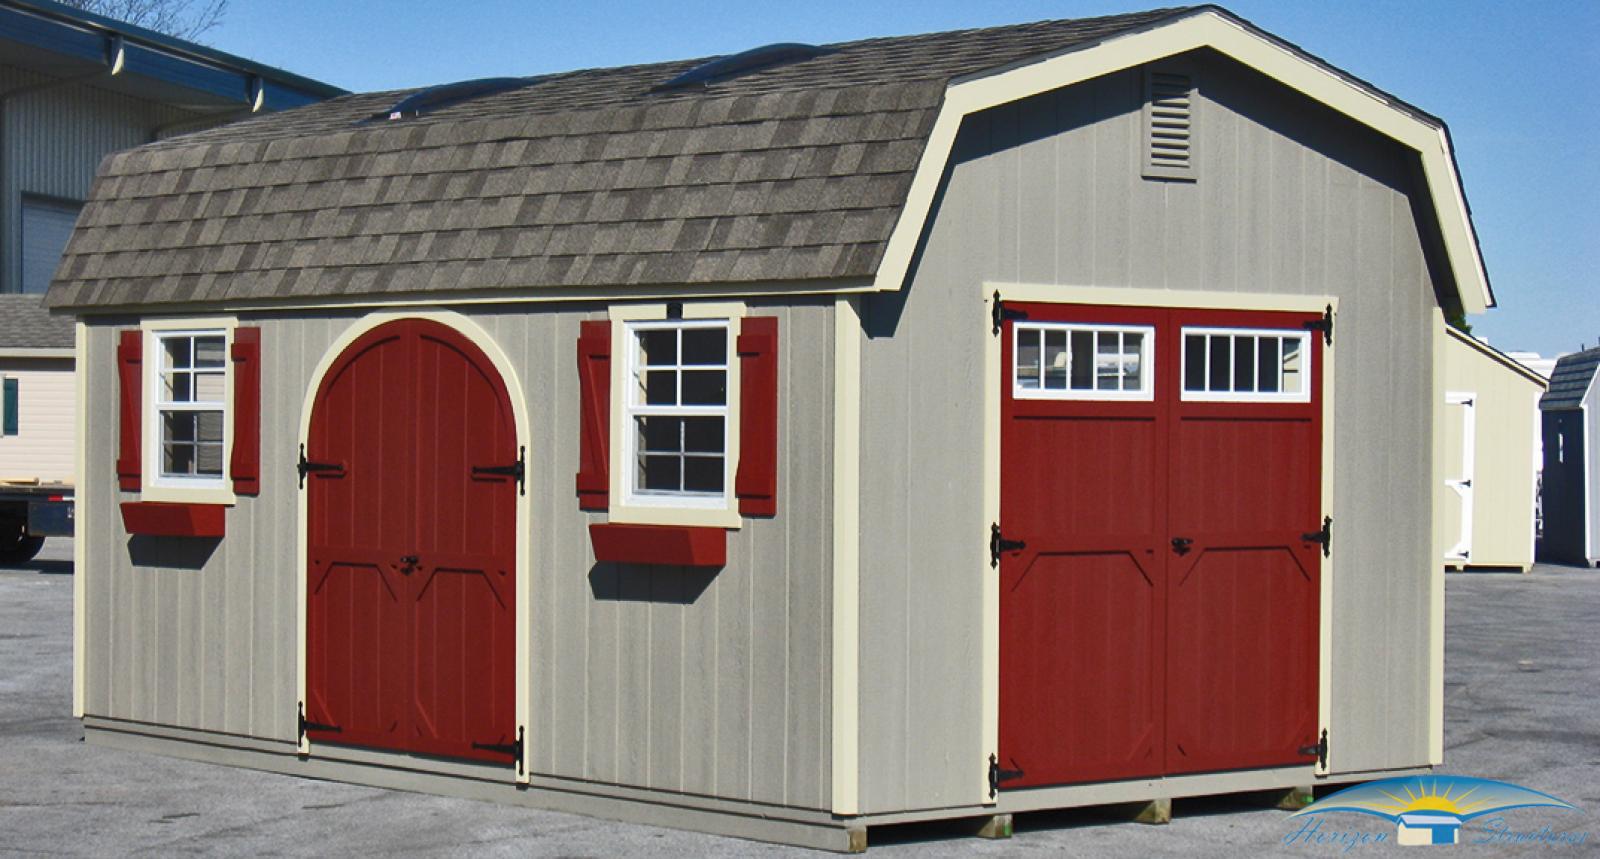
[1169,124]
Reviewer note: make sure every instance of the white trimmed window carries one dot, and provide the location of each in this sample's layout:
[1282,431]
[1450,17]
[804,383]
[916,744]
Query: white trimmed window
[1073,361]
[188,418]
[1246,365]
[676,420]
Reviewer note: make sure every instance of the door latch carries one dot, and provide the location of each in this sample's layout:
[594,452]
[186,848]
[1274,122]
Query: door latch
[408,564]
[999,544]
[1181,545]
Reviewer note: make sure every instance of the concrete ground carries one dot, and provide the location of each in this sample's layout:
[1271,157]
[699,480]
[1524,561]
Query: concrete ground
[1522,668]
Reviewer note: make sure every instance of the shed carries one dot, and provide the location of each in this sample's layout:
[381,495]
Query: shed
[1570,490]
[37,396]
[787,443]
[1490,459]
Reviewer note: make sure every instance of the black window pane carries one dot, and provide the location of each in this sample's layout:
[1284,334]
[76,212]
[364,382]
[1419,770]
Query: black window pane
[705,387]
[702,473]
[703,435]
[658,347]
[178,426]
[180,388]
[1267,365]
[1243,367]
[705,346]
[661,388]
[1083,360]
[1221,370]
[659,434]
[1194,362]
[177,459]
[177,349]
[659,473]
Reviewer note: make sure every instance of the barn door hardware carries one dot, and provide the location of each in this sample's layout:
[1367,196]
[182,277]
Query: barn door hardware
[997,775]
[1325,325]
[408,564]
[1001,313]
[998,544]
[1320,750]
[1325,536]
[512,749]
[306,466]
[518,470]
[1181,545]
[307,725]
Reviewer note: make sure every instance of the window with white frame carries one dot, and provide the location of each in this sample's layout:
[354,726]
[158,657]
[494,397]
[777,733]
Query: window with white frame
[1073,361]
[1242,364]
[676,422]
[190,381]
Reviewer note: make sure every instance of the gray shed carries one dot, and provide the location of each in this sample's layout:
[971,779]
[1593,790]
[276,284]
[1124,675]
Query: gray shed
[784,444]
[1570,486]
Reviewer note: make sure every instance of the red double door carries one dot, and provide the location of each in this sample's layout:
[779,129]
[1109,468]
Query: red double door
[412,548]
[1162,615]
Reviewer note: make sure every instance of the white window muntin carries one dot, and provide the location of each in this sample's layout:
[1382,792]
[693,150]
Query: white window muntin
[635,407]
[1051,366]
[1282,391]
[184,388]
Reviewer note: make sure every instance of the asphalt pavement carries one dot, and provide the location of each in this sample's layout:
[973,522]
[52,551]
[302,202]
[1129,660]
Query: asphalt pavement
[1522,669]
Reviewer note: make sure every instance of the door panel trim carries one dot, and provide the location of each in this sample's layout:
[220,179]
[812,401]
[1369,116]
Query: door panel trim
[479,337]
[993,391]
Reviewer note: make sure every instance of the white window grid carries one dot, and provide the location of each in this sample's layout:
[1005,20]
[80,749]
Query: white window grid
[1137,367]
[1251,336]
[168,380]
[634,407]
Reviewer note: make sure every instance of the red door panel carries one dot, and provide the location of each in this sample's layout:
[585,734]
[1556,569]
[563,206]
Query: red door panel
[450,541]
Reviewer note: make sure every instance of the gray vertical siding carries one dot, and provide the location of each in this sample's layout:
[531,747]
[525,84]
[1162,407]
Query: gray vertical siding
[1290,199]
[682,680]
[52,142]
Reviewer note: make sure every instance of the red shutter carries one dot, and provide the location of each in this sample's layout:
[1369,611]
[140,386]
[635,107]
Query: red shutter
[245,466]
[757,481]
[594,391]
[129,360]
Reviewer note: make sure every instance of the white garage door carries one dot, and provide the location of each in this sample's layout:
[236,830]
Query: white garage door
[46,226]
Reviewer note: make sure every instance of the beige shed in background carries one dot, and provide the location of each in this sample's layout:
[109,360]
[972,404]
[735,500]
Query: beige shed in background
[1489,436]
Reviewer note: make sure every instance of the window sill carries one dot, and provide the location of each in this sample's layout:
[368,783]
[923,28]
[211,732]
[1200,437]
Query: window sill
[676,517]
[162,519]
[659,544]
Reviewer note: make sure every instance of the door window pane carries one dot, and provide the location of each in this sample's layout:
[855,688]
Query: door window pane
[1244,365]
[1072,361]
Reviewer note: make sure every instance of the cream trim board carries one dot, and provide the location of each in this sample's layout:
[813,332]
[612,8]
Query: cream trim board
[1436,617]
[38,353]
[1208,28]
[80,547]
[1463,472]
[525,596]
[846,669]
[993,387]
[153,486]
[624,510]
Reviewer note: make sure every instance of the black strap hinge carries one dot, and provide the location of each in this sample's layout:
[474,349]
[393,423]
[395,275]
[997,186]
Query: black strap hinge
[1325,536]
[512,749]
[1000,313]
[1320,750]
[998,775]
[518,470]
[306,466]
[999,544]
[307,725]
[1325,325]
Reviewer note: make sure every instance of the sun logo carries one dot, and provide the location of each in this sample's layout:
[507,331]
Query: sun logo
[1431,809]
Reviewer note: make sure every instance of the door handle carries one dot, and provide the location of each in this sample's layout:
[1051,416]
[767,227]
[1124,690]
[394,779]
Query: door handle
[408,564]
[1181,545]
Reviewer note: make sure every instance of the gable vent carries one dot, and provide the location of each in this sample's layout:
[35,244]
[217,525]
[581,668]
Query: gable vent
[1169,124]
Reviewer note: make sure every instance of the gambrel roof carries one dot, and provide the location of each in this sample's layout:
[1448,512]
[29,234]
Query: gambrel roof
[817,173]
[1570,380]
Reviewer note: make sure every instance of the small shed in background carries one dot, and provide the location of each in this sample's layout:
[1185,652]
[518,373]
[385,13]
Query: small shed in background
[1490,435]
[39,414]
[1571,490]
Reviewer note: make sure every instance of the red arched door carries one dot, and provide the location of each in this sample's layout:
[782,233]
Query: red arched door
[411,573]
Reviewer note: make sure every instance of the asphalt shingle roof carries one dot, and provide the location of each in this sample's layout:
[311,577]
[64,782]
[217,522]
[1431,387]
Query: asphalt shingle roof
[581,179]
[1570,380]
[26,324]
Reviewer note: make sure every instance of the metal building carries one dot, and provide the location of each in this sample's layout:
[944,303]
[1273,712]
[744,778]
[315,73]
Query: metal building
[815,438]
[1571,482]
[75,87]
[1489,432]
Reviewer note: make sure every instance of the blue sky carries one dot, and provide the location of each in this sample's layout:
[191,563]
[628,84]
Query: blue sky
[1514,80]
